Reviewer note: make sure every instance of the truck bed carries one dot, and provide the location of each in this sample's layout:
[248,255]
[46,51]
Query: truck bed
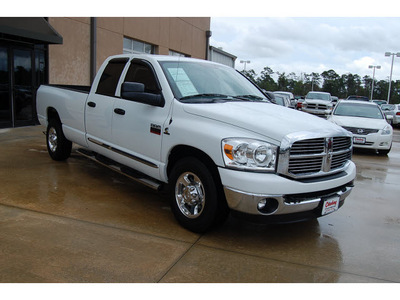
[76,88]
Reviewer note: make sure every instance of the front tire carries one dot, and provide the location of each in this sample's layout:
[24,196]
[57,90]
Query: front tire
[195,195]
[58,146]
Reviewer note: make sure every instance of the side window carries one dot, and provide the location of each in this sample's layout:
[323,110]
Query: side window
[141,73]
[110,77]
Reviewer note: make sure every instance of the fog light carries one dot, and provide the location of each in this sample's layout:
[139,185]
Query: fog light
[267,205]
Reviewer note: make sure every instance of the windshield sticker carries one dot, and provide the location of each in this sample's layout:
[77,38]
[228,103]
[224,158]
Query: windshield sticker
[182,81]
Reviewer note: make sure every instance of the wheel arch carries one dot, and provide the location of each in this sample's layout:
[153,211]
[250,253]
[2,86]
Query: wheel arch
[183,151]
[52,114]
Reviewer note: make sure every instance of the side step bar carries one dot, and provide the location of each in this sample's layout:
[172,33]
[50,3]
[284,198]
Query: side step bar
[126,171]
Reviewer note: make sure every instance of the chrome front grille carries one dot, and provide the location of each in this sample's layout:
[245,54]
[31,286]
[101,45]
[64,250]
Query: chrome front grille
[361,131]
[311,146]
[315,157]
[317,106]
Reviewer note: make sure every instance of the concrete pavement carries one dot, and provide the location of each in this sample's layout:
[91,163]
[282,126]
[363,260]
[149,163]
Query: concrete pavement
[77,221]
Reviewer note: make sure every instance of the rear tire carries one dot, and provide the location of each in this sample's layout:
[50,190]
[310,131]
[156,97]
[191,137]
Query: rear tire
[195,195]
[58,146]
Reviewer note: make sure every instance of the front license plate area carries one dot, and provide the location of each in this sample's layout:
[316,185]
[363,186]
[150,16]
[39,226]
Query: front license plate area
[358,140]
[330,205]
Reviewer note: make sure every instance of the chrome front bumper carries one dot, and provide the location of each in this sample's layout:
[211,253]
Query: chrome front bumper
[286,204]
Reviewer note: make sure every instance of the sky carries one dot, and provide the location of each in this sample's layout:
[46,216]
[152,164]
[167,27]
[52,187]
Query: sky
[311,44]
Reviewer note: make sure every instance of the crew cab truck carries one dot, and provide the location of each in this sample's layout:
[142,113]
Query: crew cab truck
[318,103]
[206,133]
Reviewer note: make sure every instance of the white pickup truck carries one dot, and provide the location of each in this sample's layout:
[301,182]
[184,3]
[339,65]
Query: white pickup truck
[206,132]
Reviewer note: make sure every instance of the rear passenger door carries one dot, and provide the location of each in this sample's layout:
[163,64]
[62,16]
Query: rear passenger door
[99,106]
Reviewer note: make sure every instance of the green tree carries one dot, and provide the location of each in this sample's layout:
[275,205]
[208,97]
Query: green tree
[331,83]
[367,82]
[265,80]
[312,82]
[352,84]
[250,74]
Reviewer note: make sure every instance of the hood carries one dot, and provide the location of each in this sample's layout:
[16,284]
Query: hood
[271,120]
[359,122]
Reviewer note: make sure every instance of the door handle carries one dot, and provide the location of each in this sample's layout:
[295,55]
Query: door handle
[91,104]
[119,111]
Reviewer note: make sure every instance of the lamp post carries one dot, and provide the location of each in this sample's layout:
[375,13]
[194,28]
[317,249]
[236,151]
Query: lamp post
[373,78]
[245,62]
[391,70]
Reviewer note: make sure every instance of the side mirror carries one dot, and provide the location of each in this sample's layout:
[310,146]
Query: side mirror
[135,91]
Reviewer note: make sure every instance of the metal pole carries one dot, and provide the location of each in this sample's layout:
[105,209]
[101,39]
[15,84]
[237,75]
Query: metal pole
[390,78]
[373,79]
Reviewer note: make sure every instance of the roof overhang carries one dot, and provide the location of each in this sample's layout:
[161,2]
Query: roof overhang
[35,29]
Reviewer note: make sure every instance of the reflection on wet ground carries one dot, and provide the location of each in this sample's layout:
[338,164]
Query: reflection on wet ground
[76,221]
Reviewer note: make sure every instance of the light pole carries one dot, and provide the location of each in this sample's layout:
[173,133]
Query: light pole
[245,62]
[373,78]
[391,70]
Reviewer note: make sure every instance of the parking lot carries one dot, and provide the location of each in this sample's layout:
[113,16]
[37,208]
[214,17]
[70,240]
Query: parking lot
[76,221]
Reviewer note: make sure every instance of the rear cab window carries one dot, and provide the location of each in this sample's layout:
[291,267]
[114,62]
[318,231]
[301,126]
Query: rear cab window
[110,77]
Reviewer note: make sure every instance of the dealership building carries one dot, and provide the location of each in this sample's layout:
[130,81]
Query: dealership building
[62,50]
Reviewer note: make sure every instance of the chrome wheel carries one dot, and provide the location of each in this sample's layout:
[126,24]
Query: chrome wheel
[52,139]
[190,195]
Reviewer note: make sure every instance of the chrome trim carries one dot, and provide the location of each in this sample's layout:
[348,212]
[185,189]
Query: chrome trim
[247,202]
[138,159]
[327,155]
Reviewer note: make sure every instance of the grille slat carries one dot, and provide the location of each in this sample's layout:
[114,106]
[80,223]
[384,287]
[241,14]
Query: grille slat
[314,156]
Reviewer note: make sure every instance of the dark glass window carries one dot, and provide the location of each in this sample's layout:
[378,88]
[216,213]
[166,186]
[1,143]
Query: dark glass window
[110,77]
[5,103]
[143,74]
[22,67]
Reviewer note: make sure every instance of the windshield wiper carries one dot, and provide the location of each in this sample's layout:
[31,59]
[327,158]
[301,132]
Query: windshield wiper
[250,97]
[204,96]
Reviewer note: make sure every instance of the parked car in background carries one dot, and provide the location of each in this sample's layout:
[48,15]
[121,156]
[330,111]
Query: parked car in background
[299,103]
[359,98]
[367,123]
[269,95]
[318,103]
[334,100]
[289,95]
[379,102]
[396,116]
[282,100]
[388,110]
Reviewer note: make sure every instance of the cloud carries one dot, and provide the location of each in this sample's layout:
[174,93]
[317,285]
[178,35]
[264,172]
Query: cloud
[346,45]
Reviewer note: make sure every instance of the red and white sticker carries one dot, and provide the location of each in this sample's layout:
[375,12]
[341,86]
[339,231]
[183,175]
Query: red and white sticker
[330,205]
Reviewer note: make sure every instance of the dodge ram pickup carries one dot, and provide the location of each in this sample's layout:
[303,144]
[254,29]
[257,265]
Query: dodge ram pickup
[205,133]
[318,103]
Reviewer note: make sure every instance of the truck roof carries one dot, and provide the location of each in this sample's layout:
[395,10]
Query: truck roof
[157,57]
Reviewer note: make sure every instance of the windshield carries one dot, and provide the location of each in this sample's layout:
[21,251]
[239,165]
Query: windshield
[318,96]
[358,110]
[280,100]
[196,81]
[387,107]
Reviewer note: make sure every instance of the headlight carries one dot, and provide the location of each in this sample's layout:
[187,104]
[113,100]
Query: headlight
[248,154]
[387,130]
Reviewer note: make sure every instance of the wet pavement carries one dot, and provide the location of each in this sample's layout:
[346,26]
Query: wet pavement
[77,221]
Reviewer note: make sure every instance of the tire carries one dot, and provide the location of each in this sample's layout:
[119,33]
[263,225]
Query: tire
[196,196]
[384,152]
[58,146]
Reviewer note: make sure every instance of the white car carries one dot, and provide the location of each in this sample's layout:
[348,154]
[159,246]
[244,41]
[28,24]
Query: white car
[396,117]
[292,100]
[367,123]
